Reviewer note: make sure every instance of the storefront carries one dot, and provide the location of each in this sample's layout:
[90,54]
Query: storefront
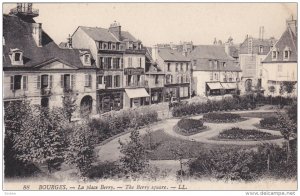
[156,95]
[229,87]
[181,92]
[214,89]
[109,100]
[135,97]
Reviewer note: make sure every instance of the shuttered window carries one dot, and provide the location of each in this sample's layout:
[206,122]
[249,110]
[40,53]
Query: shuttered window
[38,82]
[25,82]
[88,80]
[62,81]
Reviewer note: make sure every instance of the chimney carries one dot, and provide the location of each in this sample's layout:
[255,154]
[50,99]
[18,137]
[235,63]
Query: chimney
[115,28]
[292,24]
[154,52]
[227,48]
[37,33]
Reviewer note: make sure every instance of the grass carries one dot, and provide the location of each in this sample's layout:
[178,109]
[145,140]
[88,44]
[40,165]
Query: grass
[163,145]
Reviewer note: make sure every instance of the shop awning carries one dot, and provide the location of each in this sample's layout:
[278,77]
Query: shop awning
[136,92]
[214,85]
[229,85]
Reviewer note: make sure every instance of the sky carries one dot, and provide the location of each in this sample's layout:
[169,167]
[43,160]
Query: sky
[154,23]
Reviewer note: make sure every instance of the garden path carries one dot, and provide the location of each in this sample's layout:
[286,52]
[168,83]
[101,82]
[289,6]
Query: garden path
[111,152]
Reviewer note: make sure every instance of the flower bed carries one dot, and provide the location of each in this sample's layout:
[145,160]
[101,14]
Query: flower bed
[236,103]
[189,126]
[269,123]
[246,134]
[221,117]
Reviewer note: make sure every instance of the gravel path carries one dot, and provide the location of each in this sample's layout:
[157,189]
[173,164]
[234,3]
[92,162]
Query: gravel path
[111,152]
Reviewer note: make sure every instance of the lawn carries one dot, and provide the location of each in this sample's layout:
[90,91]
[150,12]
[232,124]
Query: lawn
[163,145]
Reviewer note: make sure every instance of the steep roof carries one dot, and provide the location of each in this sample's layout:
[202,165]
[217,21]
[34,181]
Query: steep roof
[202,54]
[256,43]
[171,55]
[209,52]
[102,34]
[17,34]
[287,39]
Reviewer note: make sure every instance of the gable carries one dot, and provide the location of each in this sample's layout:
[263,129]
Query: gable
[56,65]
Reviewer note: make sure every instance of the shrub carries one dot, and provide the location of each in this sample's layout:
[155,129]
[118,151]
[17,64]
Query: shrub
[221,117]
[246,134]
[189,126]
[116,122]
[104,170]
[237,102]
[269,122]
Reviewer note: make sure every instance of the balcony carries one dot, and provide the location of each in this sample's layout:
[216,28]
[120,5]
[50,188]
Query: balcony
[26,11]
[46,92]
[135,51]
[142,84]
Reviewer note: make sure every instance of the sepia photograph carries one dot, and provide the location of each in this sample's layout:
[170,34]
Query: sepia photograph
[150,96]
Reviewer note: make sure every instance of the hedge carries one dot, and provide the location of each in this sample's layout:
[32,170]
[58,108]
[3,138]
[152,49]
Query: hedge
[237,102]
[119,121]
[221,117]
[269,122]
[189,126]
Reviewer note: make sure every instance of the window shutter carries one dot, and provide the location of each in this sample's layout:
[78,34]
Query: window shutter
[11,82]
[86,78]
[25,82]
[73,81]
[62,81]
[38,82]
[90,80]
[50,81]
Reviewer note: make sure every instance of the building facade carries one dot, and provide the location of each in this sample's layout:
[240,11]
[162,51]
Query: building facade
[36,69]
[280,65]
[120,61]
[177,70]
[252,52]
[214,72]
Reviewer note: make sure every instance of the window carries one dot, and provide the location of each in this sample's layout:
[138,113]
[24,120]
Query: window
[261,49]
[216,76]
[156,79]
[117,81]
[107,63]
[169,66]
[44,82]
[101,62]
[15,82]
[187,67]
[109,45]
[108,81]
[181,66]
[140,62]
[116,62]
[279,68]
[88,80]
[129,80]
[286,53]
[216,64]
[182,79]
[210,62]
[211,76]
[99,79]
[274,54]
[118,46]
[100,45]
[87,59]
[121,62]
[129,62]
[25,82]
[176,66]
[17,56]
[224,64]
[138,78]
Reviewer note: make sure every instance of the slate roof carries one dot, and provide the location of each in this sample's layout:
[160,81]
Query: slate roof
[102,34]
[171,55]
[17,34]
[287,39]
[151,66]
[202,54]
[256,43]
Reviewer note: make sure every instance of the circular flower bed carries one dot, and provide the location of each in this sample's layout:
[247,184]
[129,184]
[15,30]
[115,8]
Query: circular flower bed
[188,126]
[246,134]
[221,117]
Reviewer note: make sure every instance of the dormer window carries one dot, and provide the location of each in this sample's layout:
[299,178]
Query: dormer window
[275,54]
[16,56]
[109,45]
[286,53]
[85,58]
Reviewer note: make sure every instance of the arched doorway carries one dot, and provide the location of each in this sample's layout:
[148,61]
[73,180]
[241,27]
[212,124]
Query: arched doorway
[248,85]
[86,105]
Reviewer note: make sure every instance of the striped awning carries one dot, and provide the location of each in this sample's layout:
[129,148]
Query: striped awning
[214,85]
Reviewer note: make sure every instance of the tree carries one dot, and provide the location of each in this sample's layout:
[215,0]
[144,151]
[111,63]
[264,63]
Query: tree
[272,90]
[288,129]
[149,136]
[16,114]
[80,151]
[41,138]
[134,158]
[69,104]
[289,86]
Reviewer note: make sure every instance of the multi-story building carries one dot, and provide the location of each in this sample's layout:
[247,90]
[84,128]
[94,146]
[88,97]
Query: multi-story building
[252,53]
[281,62]
[155,78]
[36,69]
[120,61]
[214,71]
[177,70]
